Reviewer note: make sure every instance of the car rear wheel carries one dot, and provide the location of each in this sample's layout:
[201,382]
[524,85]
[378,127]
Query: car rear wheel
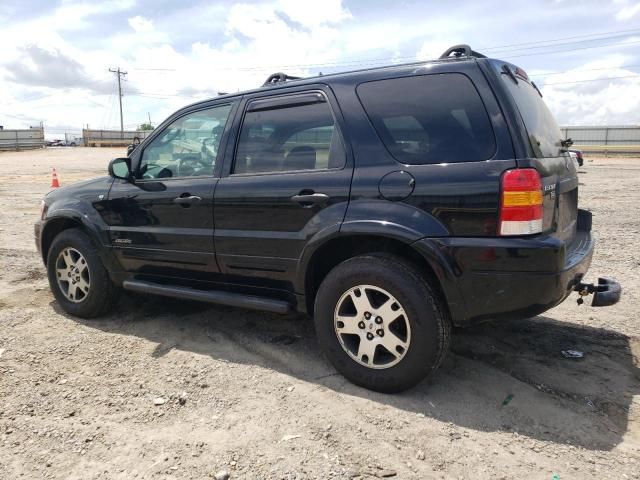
[380,323]
[78,280]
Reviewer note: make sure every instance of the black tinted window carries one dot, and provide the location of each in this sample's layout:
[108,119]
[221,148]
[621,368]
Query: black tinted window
[542,128]
[429,118]
[289,138]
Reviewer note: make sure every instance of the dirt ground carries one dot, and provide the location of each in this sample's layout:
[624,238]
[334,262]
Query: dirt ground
[101,399]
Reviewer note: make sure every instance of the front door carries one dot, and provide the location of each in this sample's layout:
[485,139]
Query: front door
[289,180]
[162,223]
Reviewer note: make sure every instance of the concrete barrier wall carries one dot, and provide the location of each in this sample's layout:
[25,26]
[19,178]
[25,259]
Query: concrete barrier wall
[21,139]
[594,135]
[111,138]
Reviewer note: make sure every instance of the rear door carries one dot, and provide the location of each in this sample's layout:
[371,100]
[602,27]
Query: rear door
[552,160]
[287,179]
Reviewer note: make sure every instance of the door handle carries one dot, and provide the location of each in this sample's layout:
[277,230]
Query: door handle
[187,200]
[310,199]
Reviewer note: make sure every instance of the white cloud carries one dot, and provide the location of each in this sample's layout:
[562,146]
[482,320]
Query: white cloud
[586,95]
[140,24]
[628,11]
[198,49]
[329,11]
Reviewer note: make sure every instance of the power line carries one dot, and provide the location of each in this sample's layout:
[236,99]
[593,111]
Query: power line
[505,49]
[628,32]
[572,49]
[593,80]
[532,46]
[584,70]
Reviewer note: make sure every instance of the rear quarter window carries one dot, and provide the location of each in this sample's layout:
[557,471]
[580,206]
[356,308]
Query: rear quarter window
[429,119]
[542,128]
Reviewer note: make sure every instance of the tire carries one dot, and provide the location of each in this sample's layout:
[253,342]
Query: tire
[95,294]
[419,329]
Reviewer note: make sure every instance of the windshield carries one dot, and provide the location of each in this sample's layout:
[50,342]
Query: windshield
[542,128]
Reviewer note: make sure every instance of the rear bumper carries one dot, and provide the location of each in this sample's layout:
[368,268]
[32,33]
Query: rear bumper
[503,278]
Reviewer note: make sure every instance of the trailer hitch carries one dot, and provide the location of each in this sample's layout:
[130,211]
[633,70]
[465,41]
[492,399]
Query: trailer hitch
[606,292]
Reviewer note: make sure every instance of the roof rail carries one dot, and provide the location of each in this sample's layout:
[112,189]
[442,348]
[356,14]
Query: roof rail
[277,78]
[462,50]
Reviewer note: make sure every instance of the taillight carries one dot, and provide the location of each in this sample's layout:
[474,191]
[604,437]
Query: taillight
[521,202]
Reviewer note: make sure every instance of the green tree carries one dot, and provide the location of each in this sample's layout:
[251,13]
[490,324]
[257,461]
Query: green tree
[145,126]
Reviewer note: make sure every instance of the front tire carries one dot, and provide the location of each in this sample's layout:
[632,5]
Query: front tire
[380,323]
[77,277]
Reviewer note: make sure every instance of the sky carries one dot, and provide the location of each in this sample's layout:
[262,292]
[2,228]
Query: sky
[56,54]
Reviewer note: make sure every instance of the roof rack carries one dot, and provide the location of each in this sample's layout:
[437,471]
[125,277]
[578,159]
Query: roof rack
[277,78]
[462,50]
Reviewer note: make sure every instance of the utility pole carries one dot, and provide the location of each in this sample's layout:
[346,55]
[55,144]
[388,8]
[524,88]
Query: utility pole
[120,74]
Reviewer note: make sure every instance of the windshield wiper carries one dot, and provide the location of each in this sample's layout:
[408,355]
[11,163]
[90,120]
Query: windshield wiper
[537,89]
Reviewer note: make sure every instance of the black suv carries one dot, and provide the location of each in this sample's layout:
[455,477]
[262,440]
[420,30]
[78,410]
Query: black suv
[388,203]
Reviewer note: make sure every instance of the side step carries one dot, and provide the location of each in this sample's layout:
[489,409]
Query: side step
[210,296]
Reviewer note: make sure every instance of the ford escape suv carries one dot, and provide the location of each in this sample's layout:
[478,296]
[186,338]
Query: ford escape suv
[388,203]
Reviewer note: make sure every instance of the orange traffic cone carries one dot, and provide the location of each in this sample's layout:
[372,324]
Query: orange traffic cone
[54,179]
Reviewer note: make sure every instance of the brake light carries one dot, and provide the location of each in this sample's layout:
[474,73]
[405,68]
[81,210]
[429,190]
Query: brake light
[521,202]
[521,73]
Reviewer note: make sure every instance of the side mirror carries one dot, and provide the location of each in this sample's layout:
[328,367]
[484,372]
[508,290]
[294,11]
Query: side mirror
[121,168]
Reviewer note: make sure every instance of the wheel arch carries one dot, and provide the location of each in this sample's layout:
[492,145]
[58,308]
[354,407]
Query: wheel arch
[65,221]
[342,247]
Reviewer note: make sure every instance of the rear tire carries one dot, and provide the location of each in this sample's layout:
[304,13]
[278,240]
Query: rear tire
[380,323]
[78,279]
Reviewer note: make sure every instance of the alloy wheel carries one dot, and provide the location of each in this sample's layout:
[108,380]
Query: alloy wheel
[72,274]
[372,326]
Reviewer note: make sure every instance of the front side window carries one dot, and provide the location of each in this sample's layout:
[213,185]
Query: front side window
[186,148]
[429,118]
[289,137]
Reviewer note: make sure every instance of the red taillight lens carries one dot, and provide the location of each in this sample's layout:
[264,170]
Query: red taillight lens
[521,202]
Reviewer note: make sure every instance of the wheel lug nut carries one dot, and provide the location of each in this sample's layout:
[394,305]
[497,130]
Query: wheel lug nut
[369,336]
[367,315]
[378,320]
[380,332]
[361,325]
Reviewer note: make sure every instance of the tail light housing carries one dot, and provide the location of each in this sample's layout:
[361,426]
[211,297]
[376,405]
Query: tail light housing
[521,202]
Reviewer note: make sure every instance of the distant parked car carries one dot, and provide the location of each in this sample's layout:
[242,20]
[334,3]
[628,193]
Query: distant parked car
[61,143]
[577,156]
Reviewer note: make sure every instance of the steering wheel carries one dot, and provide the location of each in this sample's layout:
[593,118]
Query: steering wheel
[190,166]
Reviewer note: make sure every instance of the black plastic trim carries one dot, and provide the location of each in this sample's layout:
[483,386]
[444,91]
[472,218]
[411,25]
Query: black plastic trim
[210,296]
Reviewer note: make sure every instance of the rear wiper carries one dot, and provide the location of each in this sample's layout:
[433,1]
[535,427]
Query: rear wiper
[507,70]
[566,143]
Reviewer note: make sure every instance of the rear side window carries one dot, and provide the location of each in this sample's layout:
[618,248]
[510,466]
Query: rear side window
[542,128]
[429,118]
[289,137]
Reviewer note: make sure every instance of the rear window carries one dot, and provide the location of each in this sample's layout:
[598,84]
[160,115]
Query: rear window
[542,128]
[429,118]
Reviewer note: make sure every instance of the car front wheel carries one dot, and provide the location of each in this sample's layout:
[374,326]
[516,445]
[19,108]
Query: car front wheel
[78,280]
[380,323]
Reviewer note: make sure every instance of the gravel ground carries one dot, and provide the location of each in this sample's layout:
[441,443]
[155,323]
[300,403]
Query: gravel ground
[170,389]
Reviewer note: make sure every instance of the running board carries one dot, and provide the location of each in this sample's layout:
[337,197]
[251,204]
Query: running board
[210,296]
